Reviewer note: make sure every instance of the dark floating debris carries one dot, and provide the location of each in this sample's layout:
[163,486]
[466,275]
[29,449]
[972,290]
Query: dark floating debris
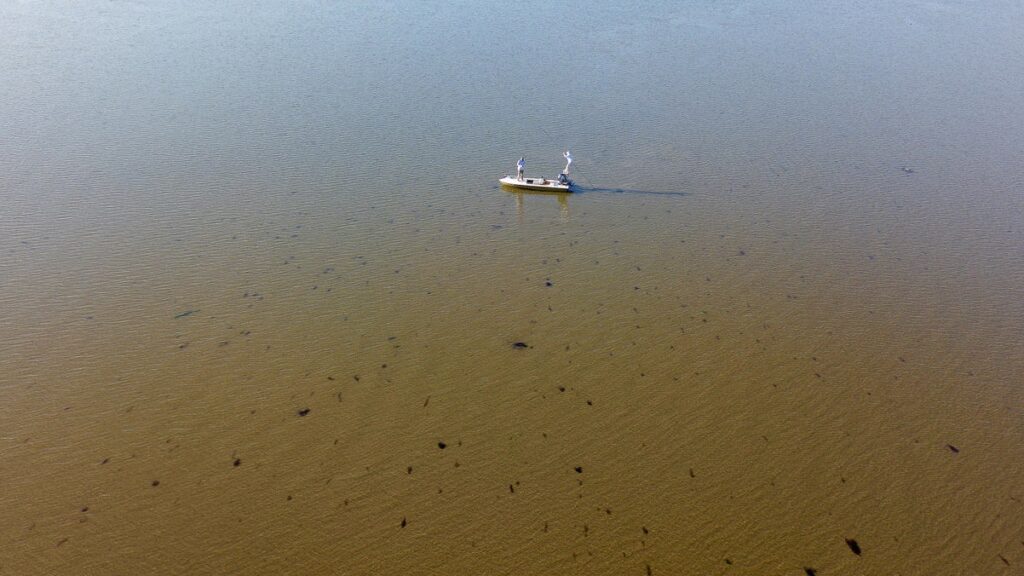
[185,313]
[155,483]
[238,462]
[403,522]
[854,547]
[953,449]
[442,445]
[579,469]
[810,572]
[549,283]
[907,169]
[692,475]
[304,411]
[520,345]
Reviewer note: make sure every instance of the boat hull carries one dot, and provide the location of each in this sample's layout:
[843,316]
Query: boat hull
[531,183]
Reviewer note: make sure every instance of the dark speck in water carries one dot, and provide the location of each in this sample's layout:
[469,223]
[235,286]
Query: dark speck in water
[520,345]
[810,572]
[953,449]
[549,283]
[853,546]
[442,445]
[155,483]
[403,522]
[579,469]
[238,462]
[304,411]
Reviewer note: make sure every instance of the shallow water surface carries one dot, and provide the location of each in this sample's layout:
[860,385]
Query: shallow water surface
[265,309]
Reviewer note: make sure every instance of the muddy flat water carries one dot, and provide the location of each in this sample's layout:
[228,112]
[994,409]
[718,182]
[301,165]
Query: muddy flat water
[264,310]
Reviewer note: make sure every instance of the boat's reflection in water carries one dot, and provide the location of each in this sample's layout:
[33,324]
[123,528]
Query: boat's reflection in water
[562,197]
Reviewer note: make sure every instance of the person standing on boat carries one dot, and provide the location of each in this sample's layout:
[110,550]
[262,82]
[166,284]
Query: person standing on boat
[520,166]
[568,162]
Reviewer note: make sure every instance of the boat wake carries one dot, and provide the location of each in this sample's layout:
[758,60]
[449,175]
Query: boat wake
[597,190]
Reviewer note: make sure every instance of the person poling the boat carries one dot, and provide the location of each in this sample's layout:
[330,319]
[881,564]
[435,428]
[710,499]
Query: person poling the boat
[520,166]
[563,178]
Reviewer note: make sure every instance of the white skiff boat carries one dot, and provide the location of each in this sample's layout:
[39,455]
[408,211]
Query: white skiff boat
[529,183]
[559,184]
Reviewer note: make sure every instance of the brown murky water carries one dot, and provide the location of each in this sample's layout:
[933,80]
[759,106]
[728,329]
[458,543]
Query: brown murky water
[264,310]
